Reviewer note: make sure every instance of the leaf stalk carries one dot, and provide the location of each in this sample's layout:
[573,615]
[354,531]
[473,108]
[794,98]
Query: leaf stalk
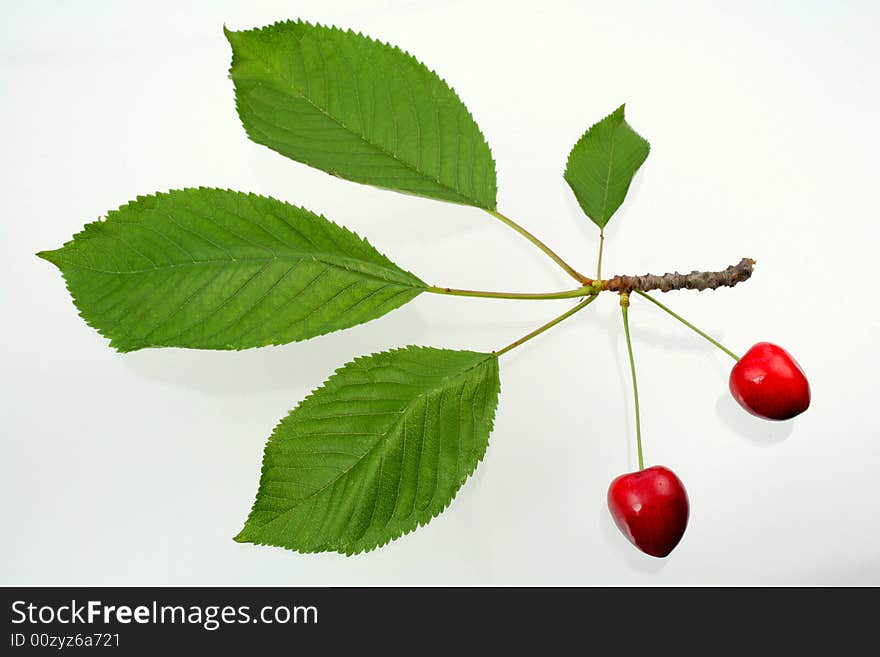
[583,304]
[571,271]
[564,294]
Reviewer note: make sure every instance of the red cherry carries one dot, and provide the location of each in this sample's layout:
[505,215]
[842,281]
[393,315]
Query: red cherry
[769,383]
[651,508]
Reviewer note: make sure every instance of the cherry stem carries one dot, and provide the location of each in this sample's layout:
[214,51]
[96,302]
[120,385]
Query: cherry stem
[565,294]
[624,309]
[583,304]
[571,271]
[689,325]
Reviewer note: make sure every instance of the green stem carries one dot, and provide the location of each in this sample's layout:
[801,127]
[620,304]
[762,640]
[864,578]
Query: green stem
[583,304]
[571,271]
[565,294]
[624,309]
[601,245]
[689,325]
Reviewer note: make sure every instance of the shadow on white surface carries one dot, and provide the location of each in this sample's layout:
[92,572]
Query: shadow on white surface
[754,429]
[281,367]
[627,553]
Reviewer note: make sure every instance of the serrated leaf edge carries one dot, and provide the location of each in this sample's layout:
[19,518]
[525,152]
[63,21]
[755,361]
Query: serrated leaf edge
[55,256]
[568,164]
[345,550]
[279,24]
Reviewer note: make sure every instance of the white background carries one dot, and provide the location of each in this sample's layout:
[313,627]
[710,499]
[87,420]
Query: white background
[139,468]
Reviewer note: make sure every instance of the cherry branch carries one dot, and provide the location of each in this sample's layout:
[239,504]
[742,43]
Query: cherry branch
[696,280]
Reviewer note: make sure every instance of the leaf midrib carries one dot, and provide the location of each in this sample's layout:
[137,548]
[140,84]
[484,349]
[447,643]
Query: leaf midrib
[291,258]
[378,147]
[604,219]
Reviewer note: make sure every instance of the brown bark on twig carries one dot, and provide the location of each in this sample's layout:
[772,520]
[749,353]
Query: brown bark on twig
[696,280]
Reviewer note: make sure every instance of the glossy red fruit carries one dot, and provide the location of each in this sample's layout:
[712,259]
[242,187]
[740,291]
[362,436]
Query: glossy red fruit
[651,508]
[769,383]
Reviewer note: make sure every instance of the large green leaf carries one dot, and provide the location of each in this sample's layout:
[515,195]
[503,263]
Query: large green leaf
[376,452]
[361,110]
[602,164]
[215,269]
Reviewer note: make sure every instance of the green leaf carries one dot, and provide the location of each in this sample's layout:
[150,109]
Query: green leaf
[361,110]
[375,453]
[602,165]
[216,269]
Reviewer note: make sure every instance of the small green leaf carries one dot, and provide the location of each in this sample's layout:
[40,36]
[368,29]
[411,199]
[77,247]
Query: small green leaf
[361,110]
[376,452]
[602,165]
[216,269]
